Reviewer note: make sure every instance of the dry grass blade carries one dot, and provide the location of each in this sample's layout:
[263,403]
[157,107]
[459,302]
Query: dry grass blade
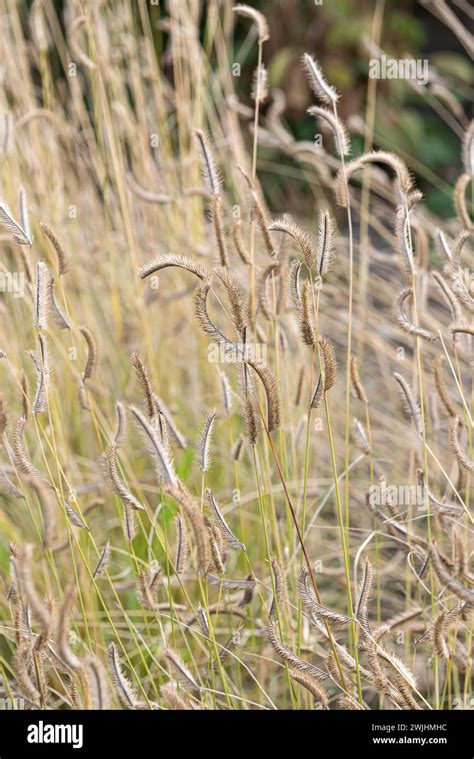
[122,685]
[334,618]
[204,442]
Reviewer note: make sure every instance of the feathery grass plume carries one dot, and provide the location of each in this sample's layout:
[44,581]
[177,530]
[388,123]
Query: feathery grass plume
[218,519]
[144,591]
[280,597]
[171,260]
[294,286]
[239,243]
[460,201]
[446,579]
[42,296]
[200,310]
[341,136]
[13,227]
[272,393]
[411,407]
[452,615]
[262,298]
[441,387]
[315,609]
[329,363]
[238,307]
[363,597]
[121,425]
[460,555]
[191,512]
[22,659]
[40,677]
[259,91]
[43,372]
[301,237]
[108,465]
[216,544]
[402,235]
[349,703]
[25,588]
[317,82]
[201,617]
[103,563]
[123,686]
[163,410]
[182,546]
[21,617]
[458,282]
[172,699]
[398,666]
[63,260]
[204,442]
[20,456]
[73,516]
[129,525]
[144,383]
[160,455]
[377,674]
[216,210]
[312,686]
[56,313]
[250,420]
[327,231]
[213,181]
[449,296]
[258,19]
[100,692]
[92,353]
[453,433]
[404,322]
[468,150]
[305,315]
[398,166]
[179,670]
[317,394]
[356,381]
[291,658]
